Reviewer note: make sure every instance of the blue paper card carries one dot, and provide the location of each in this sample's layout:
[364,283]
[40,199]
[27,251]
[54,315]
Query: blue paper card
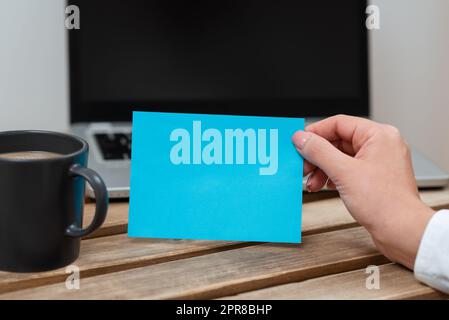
[215,177]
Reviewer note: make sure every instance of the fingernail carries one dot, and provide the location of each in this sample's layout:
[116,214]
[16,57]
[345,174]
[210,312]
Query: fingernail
[300,139]
[309,183]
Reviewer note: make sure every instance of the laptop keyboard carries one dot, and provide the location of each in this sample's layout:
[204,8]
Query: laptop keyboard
[115,146]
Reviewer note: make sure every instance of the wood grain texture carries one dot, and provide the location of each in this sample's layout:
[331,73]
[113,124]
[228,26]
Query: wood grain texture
[321,212]
[325,215]
[105,254]
[226,273]
[116,220]
[437,199]
[396,283]
[117,253]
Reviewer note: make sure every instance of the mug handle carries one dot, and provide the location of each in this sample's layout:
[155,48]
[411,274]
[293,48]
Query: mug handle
[101,197]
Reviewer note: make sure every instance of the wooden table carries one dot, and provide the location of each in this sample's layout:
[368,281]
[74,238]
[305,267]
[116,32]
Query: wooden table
[330,264]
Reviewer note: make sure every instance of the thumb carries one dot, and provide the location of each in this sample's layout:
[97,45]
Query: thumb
[321,153]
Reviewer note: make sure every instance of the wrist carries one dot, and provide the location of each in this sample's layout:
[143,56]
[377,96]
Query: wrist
[399,236]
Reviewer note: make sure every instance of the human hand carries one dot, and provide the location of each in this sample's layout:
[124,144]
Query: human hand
[369,164]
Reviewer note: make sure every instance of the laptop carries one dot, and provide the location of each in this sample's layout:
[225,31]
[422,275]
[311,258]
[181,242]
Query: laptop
[267,58]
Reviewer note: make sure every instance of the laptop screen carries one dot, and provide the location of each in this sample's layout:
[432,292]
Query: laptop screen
[253,57]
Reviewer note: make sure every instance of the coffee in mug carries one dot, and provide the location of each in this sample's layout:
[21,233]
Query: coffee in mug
[29,155]
[42,181]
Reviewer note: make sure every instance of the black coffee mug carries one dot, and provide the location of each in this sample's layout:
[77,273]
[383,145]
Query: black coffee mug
[42,201]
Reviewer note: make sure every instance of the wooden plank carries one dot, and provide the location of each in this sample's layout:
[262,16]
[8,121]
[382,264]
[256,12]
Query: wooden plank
[325,215]
[225,273]
[318,215]
[396,283]
[117,253]
[437,199]
[118,245]
[116,221]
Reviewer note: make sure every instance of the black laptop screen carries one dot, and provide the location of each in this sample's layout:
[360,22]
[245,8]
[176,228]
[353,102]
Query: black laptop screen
[280,58]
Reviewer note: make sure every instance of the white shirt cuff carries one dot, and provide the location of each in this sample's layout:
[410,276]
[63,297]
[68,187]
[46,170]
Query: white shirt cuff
[432,260]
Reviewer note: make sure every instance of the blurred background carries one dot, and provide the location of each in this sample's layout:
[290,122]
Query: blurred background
[409,69]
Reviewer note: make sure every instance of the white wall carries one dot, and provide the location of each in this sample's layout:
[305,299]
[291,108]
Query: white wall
[33,82]
[410,69]
[410,73]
